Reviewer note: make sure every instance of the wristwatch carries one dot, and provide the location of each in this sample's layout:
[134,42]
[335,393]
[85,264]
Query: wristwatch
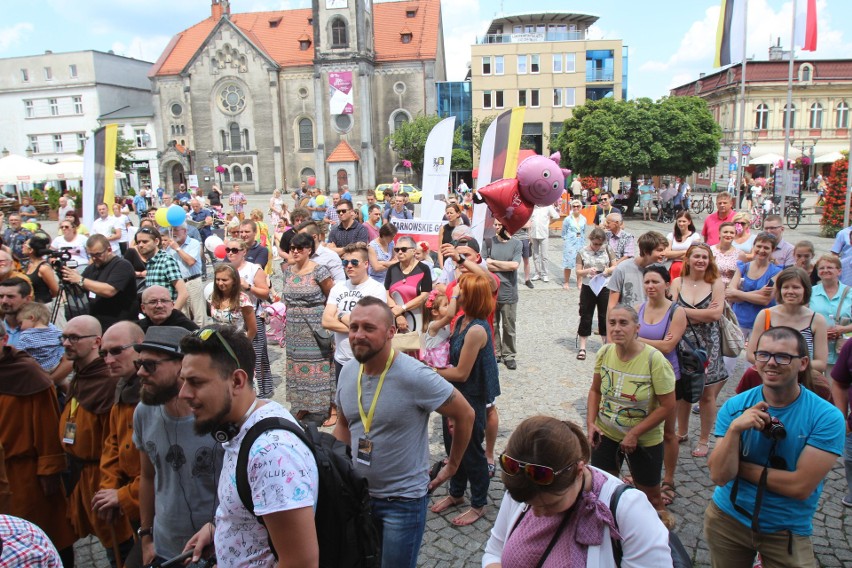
[340,317]
[140,532]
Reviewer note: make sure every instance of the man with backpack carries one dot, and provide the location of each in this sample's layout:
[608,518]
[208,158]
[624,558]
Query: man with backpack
[384,401]
[282,475]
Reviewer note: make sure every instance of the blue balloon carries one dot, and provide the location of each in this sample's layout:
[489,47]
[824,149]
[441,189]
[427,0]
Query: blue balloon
[175,215]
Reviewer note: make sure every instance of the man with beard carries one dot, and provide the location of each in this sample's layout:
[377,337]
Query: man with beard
[15,235]
[29,419]
[119,492]
[177,485]
[14,293]
[109,281]
[7,268]
[159,309]
[391,442]
[83,427]
[218,371]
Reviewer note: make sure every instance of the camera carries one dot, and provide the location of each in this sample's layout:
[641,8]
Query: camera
[775,429]
[60,259]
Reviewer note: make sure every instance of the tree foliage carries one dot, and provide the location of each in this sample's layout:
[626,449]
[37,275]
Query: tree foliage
[461,159]
[835,198]
[409,141]
[123,153]
[627,138]
[479,128]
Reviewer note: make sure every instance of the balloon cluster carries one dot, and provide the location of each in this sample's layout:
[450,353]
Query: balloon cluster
[540,181]
[216,245]
[174,216]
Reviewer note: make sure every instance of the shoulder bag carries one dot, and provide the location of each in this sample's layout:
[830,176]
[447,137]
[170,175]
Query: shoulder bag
[733,340]
[841,320]
[323,337]
[692,360]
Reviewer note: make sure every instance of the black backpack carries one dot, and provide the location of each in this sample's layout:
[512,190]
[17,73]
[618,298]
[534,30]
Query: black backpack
[345,530]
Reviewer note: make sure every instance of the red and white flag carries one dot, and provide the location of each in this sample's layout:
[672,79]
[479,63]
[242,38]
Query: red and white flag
[806,25]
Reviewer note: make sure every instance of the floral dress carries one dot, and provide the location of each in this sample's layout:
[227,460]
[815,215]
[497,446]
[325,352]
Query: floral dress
[726,262]
[310,376]
[573,239]
[709,338]
[230,315]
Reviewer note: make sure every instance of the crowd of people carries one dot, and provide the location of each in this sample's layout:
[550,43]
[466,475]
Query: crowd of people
[120,362]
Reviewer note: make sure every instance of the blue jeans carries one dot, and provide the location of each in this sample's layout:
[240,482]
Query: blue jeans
[847,461]
[401,523]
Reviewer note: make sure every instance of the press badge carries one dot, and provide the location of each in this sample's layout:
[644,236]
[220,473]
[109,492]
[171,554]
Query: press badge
[365,451]
[70,433]
[92,295]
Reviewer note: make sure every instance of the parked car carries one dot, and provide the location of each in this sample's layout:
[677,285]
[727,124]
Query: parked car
[414,193]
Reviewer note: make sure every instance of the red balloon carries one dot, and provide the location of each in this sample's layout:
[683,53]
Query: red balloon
[219,252]
[312,181]
[506,203]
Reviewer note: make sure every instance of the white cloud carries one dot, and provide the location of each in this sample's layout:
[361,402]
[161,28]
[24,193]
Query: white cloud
[13,35]
[143,48]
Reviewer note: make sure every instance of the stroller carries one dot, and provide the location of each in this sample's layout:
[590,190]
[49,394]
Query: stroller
[666,207]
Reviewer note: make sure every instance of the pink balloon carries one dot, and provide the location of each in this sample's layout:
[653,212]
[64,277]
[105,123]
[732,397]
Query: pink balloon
[219,252]
[312,181]
[506,204]
[541,180]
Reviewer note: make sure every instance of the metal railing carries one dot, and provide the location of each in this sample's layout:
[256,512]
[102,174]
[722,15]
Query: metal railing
[531,37]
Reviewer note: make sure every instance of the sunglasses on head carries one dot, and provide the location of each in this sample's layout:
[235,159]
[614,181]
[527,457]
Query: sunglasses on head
[401,249]
[538,474]
[233,250]
[207,332]
[354,262]
[114,351]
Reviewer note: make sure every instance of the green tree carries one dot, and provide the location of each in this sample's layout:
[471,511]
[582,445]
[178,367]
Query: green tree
[462,160]
[479,128]
[688,134]
[409,141]
[123,153]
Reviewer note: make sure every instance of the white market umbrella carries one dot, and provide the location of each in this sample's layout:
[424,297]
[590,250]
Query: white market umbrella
[18,169]
[72,169]
[829,158]
[765,159]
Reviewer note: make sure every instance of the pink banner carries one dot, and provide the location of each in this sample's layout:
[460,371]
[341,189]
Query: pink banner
[340,93]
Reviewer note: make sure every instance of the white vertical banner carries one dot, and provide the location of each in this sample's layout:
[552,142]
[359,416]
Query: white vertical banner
[483,178]
[87,185]
[436,168]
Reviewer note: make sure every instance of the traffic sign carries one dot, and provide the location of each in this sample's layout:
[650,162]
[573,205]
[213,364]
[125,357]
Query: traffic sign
[732,160]
[745,150]
[744,161]
[732,167]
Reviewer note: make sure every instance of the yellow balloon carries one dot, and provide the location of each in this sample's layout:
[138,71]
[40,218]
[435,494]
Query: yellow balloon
[321,200]
[160,217]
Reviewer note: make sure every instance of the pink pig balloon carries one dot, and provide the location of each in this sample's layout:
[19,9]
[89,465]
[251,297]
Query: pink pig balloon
[506,204]
[541,179]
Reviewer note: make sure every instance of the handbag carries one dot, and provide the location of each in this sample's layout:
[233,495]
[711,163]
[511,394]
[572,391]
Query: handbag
[841,341]
[410,341]
[692,360]
[733,340]
[324,339]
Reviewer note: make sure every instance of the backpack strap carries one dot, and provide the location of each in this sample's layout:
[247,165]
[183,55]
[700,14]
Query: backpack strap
[617,550]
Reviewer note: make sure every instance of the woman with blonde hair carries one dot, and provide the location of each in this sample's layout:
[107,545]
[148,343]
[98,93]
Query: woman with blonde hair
[701,294]
[744,239]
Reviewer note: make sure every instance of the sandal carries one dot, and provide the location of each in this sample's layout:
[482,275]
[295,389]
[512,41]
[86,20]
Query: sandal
[469,517]
[682,439]
[667,491]
[581,355]
[446,503]
[332,419]
[698,452]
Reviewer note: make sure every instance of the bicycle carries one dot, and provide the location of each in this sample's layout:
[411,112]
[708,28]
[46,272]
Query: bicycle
[699,204]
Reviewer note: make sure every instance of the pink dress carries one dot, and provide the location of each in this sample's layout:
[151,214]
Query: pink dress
[726,262]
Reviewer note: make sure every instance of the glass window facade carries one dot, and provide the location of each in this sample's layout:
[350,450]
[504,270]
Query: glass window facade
[454,99]
[600,65]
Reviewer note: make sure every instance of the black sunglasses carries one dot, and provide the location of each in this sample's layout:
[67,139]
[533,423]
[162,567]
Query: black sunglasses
[150,365]
[354,262]
[114,351]
[233,250]
[401,249]
[342,211]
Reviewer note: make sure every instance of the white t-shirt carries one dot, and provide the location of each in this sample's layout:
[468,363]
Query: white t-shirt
[77,248]
[106,227]
[247,273]
[685,243]
[345,295]
[282,476]
[122,222]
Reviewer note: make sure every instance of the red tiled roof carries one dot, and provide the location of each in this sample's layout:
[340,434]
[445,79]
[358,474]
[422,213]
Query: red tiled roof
[343,153]
[281,43]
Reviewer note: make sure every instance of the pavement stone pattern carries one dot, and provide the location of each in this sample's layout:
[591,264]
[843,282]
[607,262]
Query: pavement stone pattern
[551,381]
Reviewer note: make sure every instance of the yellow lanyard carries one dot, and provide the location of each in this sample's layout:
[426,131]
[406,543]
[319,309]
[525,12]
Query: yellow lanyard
[74,405]
[367,419]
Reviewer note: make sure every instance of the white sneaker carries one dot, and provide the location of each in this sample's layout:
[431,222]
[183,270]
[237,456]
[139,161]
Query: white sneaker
[534,277]
[545,278]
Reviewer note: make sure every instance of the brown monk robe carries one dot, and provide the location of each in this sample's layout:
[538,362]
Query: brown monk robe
[29,418]
[82,428]
[120,460]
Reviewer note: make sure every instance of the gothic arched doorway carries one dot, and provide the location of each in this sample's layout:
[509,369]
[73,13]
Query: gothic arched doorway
[177,176]
[342,178]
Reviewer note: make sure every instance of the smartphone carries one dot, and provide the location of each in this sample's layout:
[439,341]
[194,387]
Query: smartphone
[596,439]
[771,282]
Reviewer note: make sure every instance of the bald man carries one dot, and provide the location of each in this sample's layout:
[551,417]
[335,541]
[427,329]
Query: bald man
[159,309]
[83,427]
[119,488]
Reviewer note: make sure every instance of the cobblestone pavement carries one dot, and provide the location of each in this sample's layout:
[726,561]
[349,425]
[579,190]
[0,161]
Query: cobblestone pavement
[550,380]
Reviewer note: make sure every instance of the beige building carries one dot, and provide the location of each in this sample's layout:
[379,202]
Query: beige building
[545,62]
[822,94]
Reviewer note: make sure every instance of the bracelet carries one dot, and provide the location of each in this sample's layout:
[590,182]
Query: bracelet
[81,282]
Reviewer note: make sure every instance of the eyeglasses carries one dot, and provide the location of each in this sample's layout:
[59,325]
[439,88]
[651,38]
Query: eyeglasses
[354,262]
[150,365]
[604,198]
[780,358]
[73,338]
[342,211]
[114,351]
[96,254]
[401,249]
[63,227]
[575,207]
[232,250]
[158,302]
[538,474]
[208,332]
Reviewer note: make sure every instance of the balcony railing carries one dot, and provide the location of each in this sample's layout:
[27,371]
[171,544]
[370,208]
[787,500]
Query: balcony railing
[532,37]
[600,76]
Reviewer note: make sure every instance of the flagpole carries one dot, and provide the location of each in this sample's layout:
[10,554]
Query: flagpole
[741,165]
[788,113]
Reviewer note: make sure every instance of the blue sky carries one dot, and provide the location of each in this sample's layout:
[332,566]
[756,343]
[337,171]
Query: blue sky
[670,44]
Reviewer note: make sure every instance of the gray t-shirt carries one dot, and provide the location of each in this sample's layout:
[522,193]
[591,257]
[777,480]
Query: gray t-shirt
[399,432]
[627,281]
[509,250]
[185,467]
